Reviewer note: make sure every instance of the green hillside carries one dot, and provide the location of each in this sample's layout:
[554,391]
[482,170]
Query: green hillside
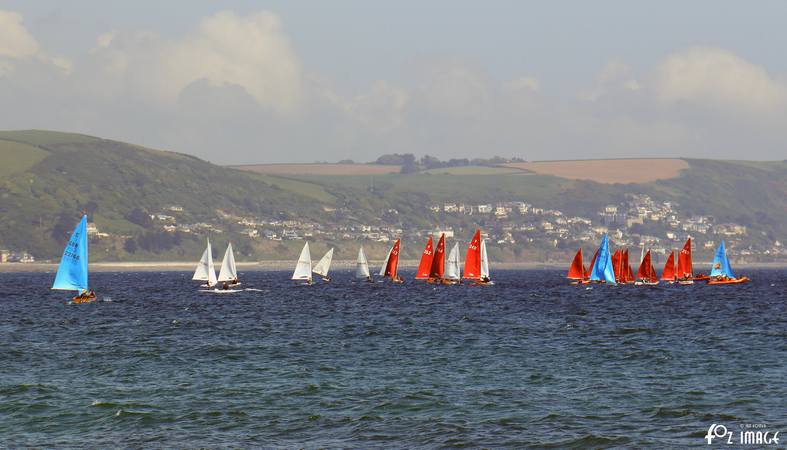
[48,179]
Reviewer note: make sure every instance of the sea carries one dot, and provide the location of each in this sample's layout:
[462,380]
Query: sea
[528,363]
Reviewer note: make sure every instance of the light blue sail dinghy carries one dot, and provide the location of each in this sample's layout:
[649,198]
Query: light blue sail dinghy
[721,272]
[602,270]
[72,272]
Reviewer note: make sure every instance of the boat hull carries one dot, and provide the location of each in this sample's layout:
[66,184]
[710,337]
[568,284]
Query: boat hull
[730,281]
[83,299]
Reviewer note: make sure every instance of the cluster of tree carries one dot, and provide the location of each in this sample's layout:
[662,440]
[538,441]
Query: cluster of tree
[410,164]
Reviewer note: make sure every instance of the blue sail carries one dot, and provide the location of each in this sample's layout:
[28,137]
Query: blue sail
[721,265]
[72,273]
[602,269]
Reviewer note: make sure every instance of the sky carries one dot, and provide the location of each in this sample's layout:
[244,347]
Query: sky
[238,82]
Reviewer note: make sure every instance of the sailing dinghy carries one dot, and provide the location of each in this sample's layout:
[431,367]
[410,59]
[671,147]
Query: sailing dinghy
[452,275]
[603,270]
[72,271]
[721,272]
[425,265]
[646,274]
[303,268]
[362,267]
[668,274]
[324,266]
[576,271]
[228,273]
[683,272]
[205,270]
[477,262]
[437,269]
[390,267]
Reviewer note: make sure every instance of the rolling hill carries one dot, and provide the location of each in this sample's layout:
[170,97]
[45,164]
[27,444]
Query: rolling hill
[49,178]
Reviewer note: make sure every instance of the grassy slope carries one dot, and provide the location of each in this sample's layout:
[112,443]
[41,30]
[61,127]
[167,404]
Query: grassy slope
[114,178]
[18,157]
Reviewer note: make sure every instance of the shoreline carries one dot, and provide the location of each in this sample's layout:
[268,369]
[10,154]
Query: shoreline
[280,265]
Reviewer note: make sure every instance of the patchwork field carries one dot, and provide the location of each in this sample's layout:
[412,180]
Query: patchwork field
[320,169]
[608,171]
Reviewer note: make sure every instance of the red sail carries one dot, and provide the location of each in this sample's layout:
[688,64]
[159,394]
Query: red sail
[438,262]
[392,267]
[426,262]
[617,264]
[473,258]
[626,268]
[646,271]
[590,267]
[576,271]
[684,261]
[669,269]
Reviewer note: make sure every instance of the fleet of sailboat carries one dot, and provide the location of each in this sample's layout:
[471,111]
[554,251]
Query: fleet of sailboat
[615,268]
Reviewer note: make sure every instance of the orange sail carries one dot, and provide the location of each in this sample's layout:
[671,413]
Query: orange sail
[426,262]
[473,258]
[646,271]
[626,268]
[576,271]
[617,265]
[392,268]
[590,267]
[438,262]
[684,261]
[669,269]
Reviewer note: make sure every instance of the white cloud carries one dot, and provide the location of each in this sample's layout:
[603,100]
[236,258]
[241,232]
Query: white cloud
[717,77]
[381,108]
[250,51]
[18,45]
[15,40]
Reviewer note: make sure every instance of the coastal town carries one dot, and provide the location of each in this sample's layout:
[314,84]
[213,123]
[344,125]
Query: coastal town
[638,222]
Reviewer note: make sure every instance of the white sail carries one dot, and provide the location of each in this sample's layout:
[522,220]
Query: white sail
[385,263]
[324,265]
[303,270]
[205,270]
[228,271]
[452,264]
[362,266]
[484,261]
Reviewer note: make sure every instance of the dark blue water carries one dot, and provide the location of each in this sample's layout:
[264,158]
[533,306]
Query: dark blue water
[530,362]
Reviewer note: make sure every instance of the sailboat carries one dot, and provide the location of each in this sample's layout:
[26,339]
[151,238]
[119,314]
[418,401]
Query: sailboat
[629,274]
[617,264]
[576,271]
[72,272]
[477,262]
[590,267]
[362,267]
[324,265]
[721,272]
[668,274]
[390,267]
[683,272]
[205,270]
[228,273]
[646,274]
[602,270]
[303,268]
[437,269]
[424,267]
[452,274]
